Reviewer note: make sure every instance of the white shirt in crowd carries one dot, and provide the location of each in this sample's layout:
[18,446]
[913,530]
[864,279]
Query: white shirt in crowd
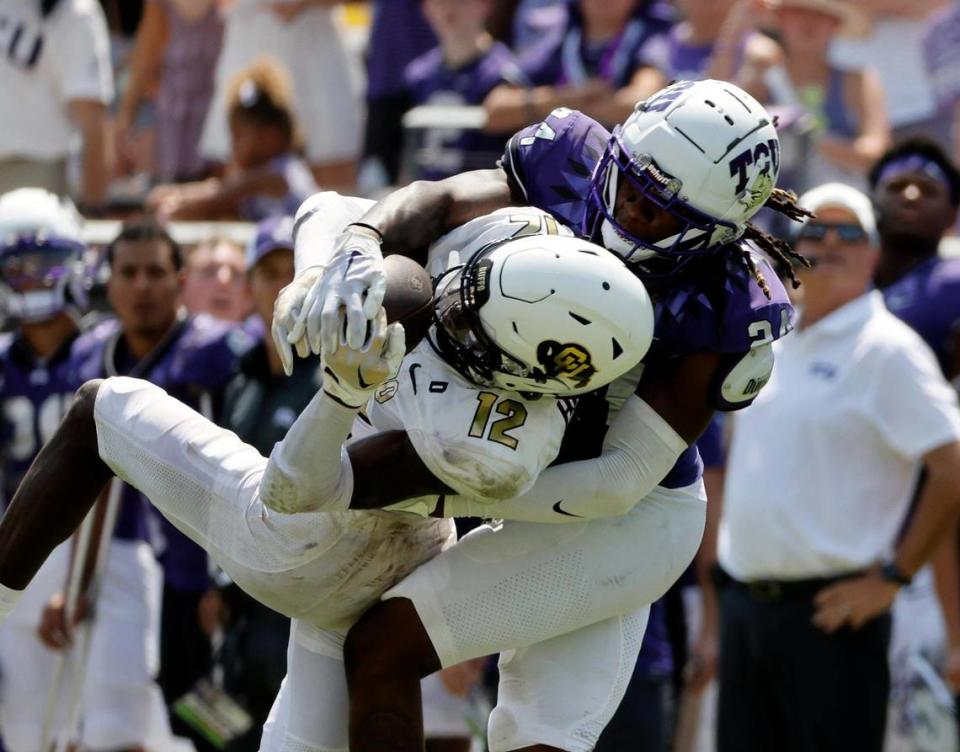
[908,94]
[44,65]
[823,465]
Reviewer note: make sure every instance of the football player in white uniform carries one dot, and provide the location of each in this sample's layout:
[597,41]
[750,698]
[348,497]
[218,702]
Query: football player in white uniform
[672,190]
[485,429]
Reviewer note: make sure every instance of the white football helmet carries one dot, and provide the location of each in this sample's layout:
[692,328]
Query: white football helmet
[42,270]
[543,314]
[705,151]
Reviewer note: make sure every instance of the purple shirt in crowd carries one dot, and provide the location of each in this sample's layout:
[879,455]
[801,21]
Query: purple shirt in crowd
[398,36]
[942,54]
[186,89]
[199,358]
[928,299]
[714,310]
[569,59]
[449,151]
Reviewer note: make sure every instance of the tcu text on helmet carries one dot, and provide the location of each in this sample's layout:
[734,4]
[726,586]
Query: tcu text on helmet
[766,155]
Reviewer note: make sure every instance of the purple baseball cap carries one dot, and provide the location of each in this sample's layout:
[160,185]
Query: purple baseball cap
[272,234]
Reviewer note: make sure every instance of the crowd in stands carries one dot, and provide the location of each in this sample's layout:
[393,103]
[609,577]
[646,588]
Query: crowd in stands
[161,112]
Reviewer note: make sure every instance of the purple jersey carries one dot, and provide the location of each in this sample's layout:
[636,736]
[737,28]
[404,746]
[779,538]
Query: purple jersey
[676,58]
[570,59]
[714,305]
[34,394]
[198,358]
[449,151]
[941,50]
[928,299]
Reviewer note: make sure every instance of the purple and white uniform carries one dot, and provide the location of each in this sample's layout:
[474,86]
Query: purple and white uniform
[928,299]
[34,395]
[199,358]
[448,151]
[719,310]
[567,605]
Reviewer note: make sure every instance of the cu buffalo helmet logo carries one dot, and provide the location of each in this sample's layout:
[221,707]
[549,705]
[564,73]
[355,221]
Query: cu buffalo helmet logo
[569,360]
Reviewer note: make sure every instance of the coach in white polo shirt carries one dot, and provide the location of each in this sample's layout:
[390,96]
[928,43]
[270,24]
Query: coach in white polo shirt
[819,479]
[55,85]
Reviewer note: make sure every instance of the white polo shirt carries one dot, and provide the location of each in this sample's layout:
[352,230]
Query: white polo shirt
[45,64]
[824,463]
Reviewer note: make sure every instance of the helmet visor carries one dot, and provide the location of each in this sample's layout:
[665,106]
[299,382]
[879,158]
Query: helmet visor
[31,263]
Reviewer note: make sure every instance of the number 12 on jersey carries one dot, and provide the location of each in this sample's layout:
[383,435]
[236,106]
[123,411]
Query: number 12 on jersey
[515,415]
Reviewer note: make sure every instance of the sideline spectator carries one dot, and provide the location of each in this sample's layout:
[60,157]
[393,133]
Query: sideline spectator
[302,37]
[40,243]
[916,193]
[463,70]
[855,406]
[708,42]
[55,82]
[260,405]
[942,56]
[598,66]
[216,280]
[179,42]
[908,92]
[846,106]
[191,357]
[265,176]
[398,36]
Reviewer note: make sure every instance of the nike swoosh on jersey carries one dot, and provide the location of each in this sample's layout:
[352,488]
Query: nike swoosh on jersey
[558,510]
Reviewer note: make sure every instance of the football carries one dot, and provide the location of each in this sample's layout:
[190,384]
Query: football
[408,297]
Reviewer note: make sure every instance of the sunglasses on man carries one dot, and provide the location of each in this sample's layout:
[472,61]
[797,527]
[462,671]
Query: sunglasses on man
[848,232]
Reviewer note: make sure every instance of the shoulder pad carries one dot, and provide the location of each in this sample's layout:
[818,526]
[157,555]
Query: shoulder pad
[740,377]
[750,319]
[567,142]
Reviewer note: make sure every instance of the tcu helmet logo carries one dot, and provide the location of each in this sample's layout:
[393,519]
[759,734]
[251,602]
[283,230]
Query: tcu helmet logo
[570,360]
[766,157]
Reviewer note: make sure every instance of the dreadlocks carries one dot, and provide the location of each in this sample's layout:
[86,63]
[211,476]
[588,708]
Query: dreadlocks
[784,202]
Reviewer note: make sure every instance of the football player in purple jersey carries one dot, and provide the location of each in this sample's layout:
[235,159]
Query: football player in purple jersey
[672,191]
[42,290]
[192,357]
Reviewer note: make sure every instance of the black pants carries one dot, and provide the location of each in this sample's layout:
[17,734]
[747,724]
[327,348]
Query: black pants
[787,686]
[185,651]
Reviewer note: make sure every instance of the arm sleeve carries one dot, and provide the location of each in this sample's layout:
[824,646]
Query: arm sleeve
[638,452]
[309,470]
[912,406]
[82,56]
[319,222]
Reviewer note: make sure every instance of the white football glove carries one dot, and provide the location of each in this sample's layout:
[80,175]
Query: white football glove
[351,376]
[289,317]
[343,304]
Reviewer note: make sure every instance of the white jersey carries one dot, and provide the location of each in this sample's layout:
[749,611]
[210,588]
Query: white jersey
[482,443]
[45,63]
